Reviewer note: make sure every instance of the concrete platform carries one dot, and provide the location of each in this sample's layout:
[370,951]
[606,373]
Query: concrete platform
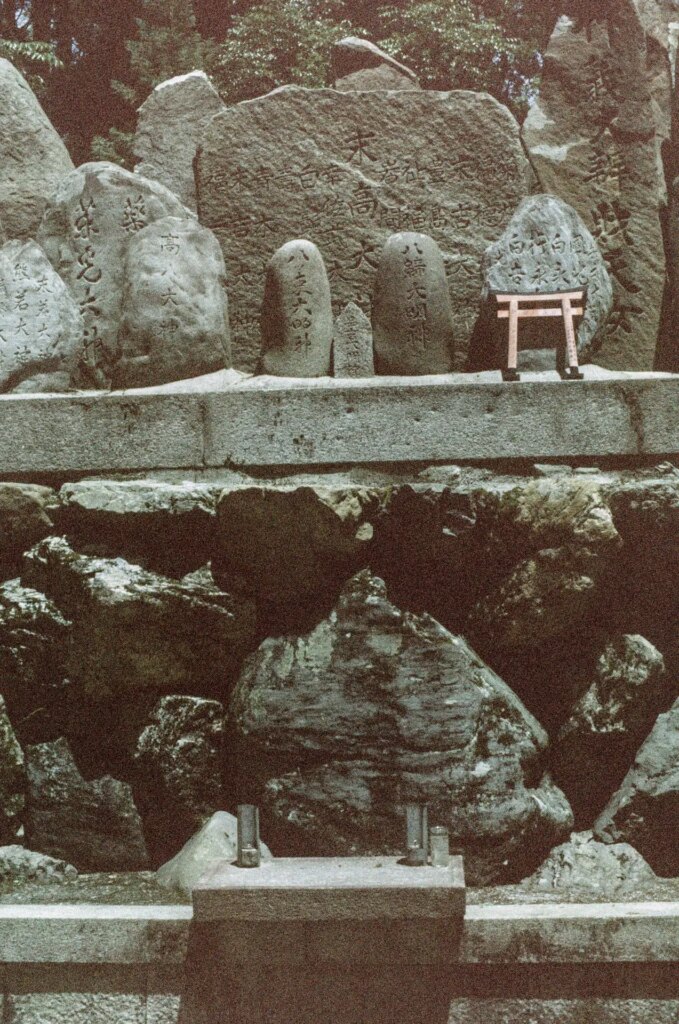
[227,421]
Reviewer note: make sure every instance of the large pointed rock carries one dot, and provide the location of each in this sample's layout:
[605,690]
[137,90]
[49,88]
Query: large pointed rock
[585,864]
[645,810]
[32,156]
[377,707]
[170,124]
[594,140]
[346,171]
[216,841]
[24,520]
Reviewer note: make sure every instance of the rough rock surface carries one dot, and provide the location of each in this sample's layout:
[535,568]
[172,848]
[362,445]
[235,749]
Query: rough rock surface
[584,863]
[289,546]
[135,630]
[377,707]
[645,810]
[165,526]
[169,126]
[296,313]
[93,825]
[546,247]
[216,840]
[347,170]
[175,321]
[609,722]
[88,223]
[18,863]
[41,329]
[24,520]
[593,140]
[411,315]
[178,770]
[33,650]
[352,344]
[32,156]
[12,779]
[359,64]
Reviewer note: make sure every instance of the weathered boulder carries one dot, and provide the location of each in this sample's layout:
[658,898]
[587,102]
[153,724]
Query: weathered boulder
[584,863]
[88,223]
[169,126]
[33,651]
[358,64]
[593,140]
[93,825]
[376,707]
[412,319]
[178,771]
[645,810]
[41,329]
[136,631]
[450,165]
[24,520]
[164,526]
[175,316]
[33,157]
[290,547]
[17,863]
[12,779]
[296,313]
[546,247]
[352,344]
[608,723]
[215,841]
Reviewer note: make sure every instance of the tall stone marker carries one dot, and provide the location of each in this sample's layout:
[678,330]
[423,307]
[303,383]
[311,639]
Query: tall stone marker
[170,124]
[296,313]
[352,344]
[412,320]
[32,156]
[347,170]
[594,140]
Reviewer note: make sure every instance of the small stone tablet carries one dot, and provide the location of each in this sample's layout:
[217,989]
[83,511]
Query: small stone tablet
[296,313]
[352,344]
[411,317]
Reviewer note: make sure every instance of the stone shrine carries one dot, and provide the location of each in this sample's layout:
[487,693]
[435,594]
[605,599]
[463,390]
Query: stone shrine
[352,344]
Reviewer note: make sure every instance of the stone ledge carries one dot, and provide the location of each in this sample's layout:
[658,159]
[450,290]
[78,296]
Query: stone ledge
[523,934]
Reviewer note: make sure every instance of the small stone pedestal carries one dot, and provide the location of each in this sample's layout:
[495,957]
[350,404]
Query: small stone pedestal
[361,940]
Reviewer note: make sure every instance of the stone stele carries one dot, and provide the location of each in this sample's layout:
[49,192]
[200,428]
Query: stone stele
[352,344]
[594,140]
[411,316]
[32,156]
[545,248]
[347,170]
[88,224]
[41,329]
[169,127]
[296,313]
[175,320]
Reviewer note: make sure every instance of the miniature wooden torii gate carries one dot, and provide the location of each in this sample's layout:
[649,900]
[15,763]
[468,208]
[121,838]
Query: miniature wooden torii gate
[517,308]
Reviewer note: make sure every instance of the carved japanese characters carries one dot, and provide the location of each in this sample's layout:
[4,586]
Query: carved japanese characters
[41,330]
[296,313]
[175,315]
[352,344]
[594,139]
[545,248]
[412,319]
[170,124]
[86,232]
[32,156]
[346,171]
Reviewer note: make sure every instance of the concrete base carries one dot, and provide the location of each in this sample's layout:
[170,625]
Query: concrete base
[223,421]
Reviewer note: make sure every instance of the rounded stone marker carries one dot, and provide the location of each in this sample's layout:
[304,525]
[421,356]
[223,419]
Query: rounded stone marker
[297,316]
[411,315]
[296,313]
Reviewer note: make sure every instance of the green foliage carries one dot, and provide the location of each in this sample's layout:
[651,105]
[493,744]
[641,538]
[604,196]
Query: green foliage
[279,42]
[33,59]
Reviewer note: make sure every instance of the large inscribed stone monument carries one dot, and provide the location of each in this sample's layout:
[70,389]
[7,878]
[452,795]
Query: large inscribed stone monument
[346,171]
[594,140]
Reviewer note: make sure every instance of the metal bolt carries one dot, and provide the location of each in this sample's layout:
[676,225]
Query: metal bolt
[417,840]
[249,853]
